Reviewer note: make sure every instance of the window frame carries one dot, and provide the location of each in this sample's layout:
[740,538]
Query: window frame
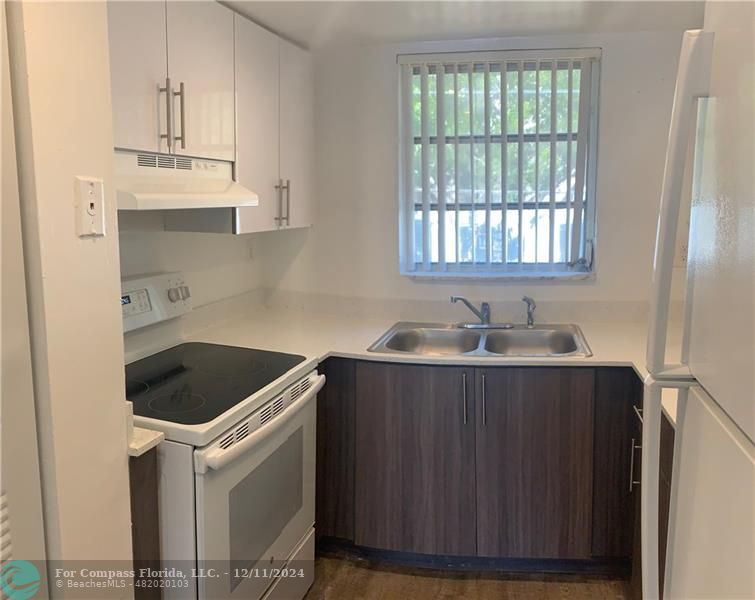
[592,57]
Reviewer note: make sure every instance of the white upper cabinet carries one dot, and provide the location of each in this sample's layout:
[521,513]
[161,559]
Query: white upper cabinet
[257,119]
[296,134]
[138,68]
[200,62]
[189,45]
[275,137]
[193,78]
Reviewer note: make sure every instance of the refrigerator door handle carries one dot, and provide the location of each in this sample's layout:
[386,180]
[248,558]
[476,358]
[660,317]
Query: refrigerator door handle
[651,452]
[691,83]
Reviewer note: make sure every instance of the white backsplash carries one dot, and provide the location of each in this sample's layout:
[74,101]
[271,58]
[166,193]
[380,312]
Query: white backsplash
[443,310]
[154,338]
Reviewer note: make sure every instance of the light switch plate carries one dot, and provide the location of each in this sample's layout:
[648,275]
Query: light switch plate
[90,206]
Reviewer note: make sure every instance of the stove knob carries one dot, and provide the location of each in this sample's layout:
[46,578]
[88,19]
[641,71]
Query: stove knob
[185,293]
[174,295]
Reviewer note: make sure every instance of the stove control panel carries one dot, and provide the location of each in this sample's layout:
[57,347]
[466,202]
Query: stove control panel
[153,298]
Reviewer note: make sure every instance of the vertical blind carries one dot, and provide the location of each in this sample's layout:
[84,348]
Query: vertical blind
[498,162]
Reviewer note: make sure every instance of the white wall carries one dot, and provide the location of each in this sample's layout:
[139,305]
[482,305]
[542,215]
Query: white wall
[216,266]
[353,248]
[223,271]
[61,95]
[20,480]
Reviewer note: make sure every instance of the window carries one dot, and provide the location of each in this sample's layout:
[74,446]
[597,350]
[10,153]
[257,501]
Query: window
[498,163]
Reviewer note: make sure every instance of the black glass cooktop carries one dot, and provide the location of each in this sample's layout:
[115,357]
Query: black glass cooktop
[195,382]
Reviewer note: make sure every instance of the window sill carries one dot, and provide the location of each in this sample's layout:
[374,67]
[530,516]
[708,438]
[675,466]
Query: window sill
[502,277]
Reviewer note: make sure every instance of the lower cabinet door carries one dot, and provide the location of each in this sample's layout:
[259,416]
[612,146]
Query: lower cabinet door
[635,581]
[415,452]
[335,450]
[534,449]
[618,392]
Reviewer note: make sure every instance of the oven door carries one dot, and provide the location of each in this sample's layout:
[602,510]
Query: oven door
[255,497]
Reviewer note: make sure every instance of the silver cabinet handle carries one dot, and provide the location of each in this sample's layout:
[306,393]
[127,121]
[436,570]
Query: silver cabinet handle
[168,113]
[288,202]
[484,402]
[464,396]
[638,412]
[181,114]
[281,187]
[632,482]
[279,191]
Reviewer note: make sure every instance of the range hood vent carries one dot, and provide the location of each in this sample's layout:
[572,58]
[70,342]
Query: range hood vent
[164,161]
[147,181]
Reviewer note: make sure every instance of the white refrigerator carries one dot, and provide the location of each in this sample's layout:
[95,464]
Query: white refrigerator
[711,539]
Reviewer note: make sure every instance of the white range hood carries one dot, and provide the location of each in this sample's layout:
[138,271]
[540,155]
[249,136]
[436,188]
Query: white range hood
[147,181]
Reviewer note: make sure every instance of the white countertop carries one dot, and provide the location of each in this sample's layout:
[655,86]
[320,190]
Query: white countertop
[143,440]
[319,335]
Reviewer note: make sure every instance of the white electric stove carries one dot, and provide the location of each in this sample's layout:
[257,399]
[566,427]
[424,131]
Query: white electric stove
[237,469]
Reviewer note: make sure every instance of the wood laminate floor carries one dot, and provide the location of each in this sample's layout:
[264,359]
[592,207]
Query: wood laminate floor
[349,578]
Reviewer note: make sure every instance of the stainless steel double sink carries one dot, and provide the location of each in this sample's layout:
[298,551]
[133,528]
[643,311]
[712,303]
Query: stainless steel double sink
[440,339]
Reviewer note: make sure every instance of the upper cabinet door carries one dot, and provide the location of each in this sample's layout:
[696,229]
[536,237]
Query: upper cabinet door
[296,134]
[138,68]
[200,56]
[257,119]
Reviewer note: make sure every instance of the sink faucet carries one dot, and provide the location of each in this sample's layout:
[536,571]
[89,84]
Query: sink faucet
[531,306]
[483,314]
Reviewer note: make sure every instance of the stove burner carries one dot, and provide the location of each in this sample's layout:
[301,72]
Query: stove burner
[177,402]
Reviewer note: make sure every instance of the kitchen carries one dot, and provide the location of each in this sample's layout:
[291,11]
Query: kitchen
[304,411]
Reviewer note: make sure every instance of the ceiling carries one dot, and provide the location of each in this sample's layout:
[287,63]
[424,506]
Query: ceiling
[315,24]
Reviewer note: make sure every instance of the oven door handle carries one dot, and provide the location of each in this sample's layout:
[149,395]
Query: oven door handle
[216,458]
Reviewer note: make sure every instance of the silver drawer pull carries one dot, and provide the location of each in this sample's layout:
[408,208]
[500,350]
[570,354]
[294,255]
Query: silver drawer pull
[484,402]
[632,481]
[464,396]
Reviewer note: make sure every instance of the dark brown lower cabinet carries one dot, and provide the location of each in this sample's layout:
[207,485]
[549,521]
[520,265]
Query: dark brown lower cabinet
[334,500]
[617,432]
[635,581]
[664,500]
[534,462]
[415,453]
[664,493]
[635,475]
[145,524]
